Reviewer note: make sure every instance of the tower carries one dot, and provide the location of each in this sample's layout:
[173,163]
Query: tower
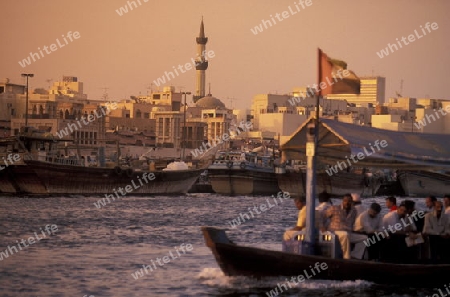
[201,64]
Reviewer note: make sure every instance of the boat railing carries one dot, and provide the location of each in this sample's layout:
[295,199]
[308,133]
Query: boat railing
[73,161]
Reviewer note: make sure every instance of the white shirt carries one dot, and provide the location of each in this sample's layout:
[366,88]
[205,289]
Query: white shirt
[323,206]
[365,223]
[392,218]
[359,209]
[435,226]
[320,219]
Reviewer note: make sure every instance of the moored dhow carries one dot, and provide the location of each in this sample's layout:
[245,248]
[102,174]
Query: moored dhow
[68,177]
[47,169]
[355,180]
[243,173]
[422,183]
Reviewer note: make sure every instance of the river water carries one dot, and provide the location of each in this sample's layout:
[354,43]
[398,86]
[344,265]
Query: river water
[96,252]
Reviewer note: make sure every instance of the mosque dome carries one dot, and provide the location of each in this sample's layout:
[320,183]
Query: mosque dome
[210,102]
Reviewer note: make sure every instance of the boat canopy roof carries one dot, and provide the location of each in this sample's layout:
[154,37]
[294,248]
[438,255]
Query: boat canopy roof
[338,141]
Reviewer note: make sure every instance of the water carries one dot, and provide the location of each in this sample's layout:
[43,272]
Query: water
[95,251]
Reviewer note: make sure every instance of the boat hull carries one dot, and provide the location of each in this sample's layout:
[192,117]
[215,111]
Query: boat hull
[424,183]
[237,260]
[65,179]
[238,181]
[20,179]
[294,182]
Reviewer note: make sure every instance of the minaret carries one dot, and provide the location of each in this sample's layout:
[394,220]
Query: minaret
[201,64]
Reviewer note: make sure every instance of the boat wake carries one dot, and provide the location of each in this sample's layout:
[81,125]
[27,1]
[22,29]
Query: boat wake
[214,277]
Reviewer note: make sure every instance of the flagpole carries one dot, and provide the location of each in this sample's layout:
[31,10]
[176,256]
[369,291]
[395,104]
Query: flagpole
[311,148]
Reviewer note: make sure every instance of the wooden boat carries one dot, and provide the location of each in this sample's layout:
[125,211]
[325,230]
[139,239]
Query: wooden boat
[47,169]
[354,181]
[243,173]
[236,260]
[422,183]
[77,179]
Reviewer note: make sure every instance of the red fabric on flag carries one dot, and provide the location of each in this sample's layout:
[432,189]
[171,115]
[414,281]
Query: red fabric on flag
[325,70]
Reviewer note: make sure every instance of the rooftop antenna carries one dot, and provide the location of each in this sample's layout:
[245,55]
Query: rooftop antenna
[150,87]
[399,94]
[231,101]
[49,80]
[105,93]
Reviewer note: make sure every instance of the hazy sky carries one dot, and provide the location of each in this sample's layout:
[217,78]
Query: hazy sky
[126,53]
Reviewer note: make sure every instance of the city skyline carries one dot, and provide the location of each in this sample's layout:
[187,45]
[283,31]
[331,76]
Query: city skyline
[126,53]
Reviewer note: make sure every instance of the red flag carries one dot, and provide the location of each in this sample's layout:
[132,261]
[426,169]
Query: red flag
[325,70]
[334,78]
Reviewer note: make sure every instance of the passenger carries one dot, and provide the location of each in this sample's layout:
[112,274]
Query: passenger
[395,217]
[357,204]
[325,203]
[417,222]
[300,203]
[368,223]
[447,204]
[391,203]
[394,248]
[429,202]
[342,220]
[437,227]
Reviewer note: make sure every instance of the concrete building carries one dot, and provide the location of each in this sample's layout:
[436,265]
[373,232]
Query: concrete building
[218,121]
[167,98]
[70,87]
[194,133]
[434,120]
[267,103]
[11,104]
[283,124]
[168,128]
[372,91]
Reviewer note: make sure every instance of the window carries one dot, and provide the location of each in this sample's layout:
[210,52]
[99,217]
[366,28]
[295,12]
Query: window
[146,115]
[138,114]
[167,125]
[160,127]
[157,96]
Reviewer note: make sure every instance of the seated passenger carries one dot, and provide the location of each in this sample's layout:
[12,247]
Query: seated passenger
[429,202]
[397,228]
[369,221]
[342,217]
[391,203]
[300,203]
[447,204]
[325,203]
[437,227]
[412,214]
